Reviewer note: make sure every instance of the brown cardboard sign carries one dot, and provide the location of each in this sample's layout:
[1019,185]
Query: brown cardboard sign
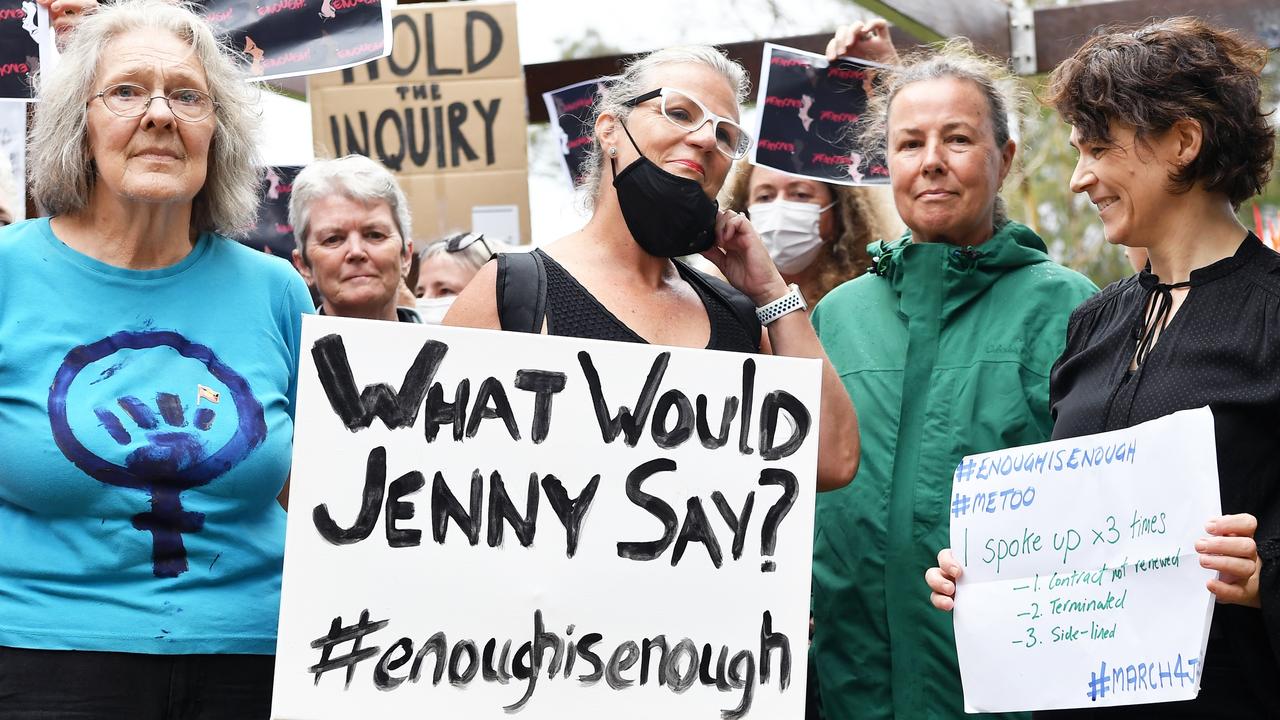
[445,112]
[460,126]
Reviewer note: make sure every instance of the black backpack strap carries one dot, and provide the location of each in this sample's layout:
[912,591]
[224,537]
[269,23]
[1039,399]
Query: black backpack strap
[740,304]
[522,292]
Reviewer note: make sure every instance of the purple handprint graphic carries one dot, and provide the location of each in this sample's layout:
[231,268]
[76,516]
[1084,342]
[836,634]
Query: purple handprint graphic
[173,457]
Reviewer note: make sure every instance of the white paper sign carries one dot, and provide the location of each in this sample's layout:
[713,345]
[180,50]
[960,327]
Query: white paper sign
[13,153]
[496,529]
[1081,584]
[500,222]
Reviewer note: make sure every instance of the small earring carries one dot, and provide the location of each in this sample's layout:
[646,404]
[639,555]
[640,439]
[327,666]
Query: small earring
[613,152]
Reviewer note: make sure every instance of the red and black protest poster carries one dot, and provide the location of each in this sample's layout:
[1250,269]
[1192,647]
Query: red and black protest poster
[19,49]
[280,38]
[273,233]
[806,112]
[570,109]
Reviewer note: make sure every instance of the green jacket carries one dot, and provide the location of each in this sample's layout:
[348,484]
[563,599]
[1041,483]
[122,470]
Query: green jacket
[945,352]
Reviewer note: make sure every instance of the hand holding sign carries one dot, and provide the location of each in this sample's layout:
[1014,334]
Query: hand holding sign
[807,111]
[1079,586]
[562,528]
[866,40]
[1232,552]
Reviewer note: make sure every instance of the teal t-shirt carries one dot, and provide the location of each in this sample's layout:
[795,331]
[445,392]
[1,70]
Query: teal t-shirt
[146,429]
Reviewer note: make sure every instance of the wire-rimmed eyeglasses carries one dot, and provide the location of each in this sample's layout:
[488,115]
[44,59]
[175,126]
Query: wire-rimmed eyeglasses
[187,104]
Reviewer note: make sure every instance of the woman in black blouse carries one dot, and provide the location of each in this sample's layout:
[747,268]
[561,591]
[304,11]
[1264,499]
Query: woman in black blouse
[1172,139]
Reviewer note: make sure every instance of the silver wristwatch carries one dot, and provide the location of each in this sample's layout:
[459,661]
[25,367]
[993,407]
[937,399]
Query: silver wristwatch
[788,303]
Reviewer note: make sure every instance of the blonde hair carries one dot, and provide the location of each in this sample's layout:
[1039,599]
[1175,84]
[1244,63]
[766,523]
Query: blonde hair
[634,80]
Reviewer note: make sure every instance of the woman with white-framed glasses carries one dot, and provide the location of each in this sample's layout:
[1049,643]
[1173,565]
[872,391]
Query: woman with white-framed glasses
[146,388]
[666,133]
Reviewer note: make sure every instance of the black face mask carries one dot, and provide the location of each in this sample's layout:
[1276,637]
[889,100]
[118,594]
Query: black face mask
[669,216]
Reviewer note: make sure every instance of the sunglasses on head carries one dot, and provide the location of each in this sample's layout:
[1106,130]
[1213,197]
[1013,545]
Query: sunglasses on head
[462,241]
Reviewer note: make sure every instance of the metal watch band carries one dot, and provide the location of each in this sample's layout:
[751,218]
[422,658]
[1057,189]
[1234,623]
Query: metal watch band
[788,303]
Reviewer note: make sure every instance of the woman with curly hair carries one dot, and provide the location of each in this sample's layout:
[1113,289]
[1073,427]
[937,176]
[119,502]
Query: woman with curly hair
[1172,138]
[817,233]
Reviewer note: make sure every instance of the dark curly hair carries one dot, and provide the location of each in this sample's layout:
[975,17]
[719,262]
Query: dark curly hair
[1163,72]
[857,225]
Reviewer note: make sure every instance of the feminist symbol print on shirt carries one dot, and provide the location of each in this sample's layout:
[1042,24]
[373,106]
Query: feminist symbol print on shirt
[167,452]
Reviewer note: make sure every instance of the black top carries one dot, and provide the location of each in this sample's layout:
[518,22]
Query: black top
[574,312]
[1221,349]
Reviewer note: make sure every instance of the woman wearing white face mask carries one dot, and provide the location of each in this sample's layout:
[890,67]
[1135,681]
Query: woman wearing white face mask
[445,267]
[816,233]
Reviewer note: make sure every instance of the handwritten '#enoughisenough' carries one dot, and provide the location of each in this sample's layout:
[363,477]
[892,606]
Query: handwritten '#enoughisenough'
[1043,461]
[679,664]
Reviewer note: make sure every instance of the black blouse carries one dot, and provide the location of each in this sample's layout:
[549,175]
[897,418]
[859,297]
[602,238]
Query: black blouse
[1221,349]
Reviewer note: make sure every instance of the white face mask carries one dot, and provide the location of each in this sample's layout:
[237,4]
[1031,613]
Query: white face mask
[432,310]
[790,232]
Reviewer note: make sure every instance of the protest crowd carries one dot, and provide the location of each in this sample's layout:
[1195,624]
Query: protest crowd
[959,337]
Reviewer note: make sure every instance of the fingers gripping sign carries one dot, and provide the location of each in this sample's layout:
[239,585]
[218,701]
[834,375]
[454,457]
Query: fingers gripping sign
[867,40]
[1232,551]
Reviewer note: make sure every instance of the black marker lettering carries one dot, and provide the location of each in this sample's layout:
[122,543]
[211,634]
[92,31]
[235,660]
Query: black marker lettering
[748,392]
[737,523]
[630,425]
[375,478]
[501,507]
[440,412]
[670,437]
[445,505]
[545,384]
[437,645]
[432,68]
[491,402]
[773,402]
[458,140]
[718,440]
[382,678]
[769,641]
[697,528]
[495,40]
[623,657]
[410,482]
[489,115]
[650,549]
[395,409]
[571,511]
[382,144]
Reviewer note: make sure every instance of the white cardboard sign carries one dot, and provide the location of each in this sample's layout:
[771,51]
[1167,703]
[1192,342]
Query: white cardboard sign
[491,524]
[1081,584]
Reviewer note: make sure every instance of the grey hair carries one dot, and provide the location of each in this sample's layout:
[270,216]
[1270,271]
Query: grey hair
[473,256]
[634,81]
[62,168]
[353,176]
[956,59]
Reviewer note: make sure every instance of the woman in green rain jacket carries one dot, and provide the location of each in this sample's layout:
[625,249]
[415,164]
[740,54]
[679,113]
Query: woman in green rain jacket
[945,348]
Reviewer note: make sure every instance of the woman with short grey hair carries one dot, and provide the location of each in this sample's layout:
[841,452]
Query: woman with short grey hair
[666,131]
[146,387]
[352,226]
